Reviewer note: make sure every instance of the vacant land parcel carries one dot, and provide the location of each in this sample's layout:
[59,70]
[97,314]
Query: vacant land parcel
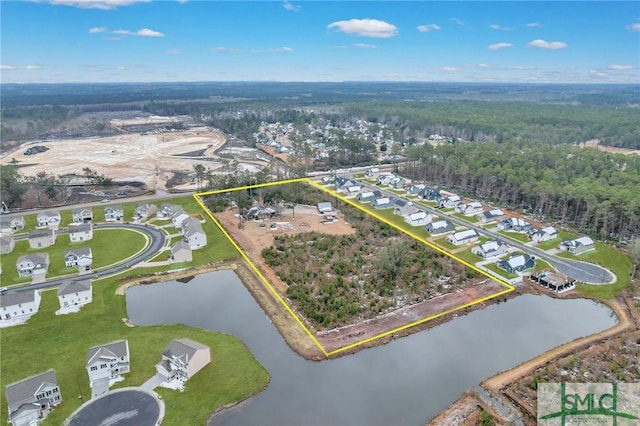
[351,277]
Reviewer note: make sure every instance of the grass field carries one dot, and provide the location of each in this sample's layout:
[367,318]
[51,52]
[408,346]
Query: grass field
[388,215]
[470,219]
[523,238]
[548,245]
[501,272]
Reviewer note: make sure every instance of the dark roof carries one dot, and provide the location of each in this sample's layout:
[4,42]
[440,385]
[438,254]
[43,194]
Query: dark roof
[25,389]
[180,245]
[69,287]
[79,228]
[40,234]
[180,347]
[16,297]
[118,348]
[35,258]
[80,251]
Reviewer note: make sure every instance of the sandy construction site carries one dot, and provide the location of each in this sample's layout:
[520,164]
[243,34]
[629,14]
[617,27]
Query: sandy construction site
[152,157]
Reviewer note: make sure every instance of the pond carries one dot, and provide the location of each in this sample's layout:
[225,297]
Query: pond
[406,382]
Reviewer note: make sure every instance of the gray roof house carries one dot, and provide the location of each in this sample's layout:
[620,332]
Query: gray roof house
[82,232]
[544,234]
[7,244]
[325,207]
[48,219]
[11,224]
[440,227]
[463,237]
[382,203]
[414,189]
[517,263]
[469,209]
[106,363]
[74,293]
[181,252]
[577,246]
[193,234]
[403,207]
[366,197]
[182,358]
[489,249]
[166,211]
[40,239]
[419,218]
[514,224]
[430,194]
[491,215]
[80,257]
[30,400]
[82,215]
[114,213]
[179,216]
[19,303]
[32,264]
[450,201]
[144,211]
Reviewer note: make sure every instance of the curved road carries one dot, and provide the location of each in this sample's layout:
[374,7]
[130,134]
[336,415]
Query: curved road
[156,238]
[581,271]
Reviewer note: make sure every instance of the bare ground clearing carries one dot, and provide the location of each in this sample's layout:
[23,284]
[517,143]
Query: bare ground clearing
[254,238]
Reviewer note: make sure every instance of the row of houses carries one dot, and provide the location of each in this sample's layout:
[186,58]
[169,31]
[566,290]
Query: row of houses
[30,400]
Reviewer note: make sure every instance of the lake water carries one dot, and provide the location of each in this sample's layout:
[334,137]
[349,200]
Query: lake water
[406,382]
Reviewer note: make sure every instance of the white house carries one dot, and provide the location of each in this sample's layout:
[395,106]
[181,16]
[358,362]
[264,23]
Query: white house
[113,213]
[385,179]
[439,227]
[486,217]
[450,201]
[463,237]
[30,400]
[517,263]
[182,358]
[48,219]
[403,207]
[372,172]
[108,362]
[32,264]
[419,218]
[11,225]
[179,216]
[181,252]
[489,249]
[82,215]
[469,209]
[544,234]
[19,303]
[80,257]
[166,211]
[325,207]
[7,244]
[382,203]
[193,234]
[144,211]
[74,293]
[352,190]
[577,246]
[514,224]
[80,233]
[41,239]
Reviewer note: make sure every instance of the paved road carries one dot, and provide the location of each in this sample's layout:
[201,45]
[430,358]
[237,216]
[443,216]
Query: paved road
[581,271]
[156,238]
[127,407]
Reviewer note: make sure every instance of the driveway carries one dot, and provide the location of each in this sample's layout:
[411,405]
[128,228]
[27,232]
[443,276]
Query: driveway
[123,407]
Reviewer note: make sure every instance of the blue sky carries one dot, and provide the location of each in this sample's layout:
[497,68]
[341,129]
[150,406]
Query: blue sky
[141,40]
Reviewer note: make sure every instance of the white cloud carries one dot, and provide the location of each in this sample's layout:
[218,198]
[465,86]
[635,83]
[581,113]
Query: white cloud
[551,45]
[450,69]
[598,73]
[457,21]
[120,68]
[634,27]
[533,25]
[620,67]
[218,49]
[365,46]
[365,28]
[428,27]
[97,30]
[32,67]
[500,27]
[174,52]
[498,46]
[96,4]
[291,7]
[338,47]
[275,50]
[281,49]
[524,67]
[484,65]
[7,67]
[145,32]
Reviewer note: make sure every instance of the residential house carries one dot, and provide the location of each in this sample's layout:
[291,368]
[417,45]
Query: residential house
[372,172]
[449,202]
[74,293]
[398,182]
[517,263]
[403,207]
[382,203]
[144,211]
[193,234]
[430,194]
[385,179]
[48,219]
[260,212]
[491,248]
[166,211]
[514,224]
[353,190]
[7,244]
[32,264]
[366,197]
[179,216]
[325,207]
[463,237]
[182,359]
[328,180]
[19,303]
[419,218]
[544,234]
[40,239]
[82,215]
[439,227]
[181,252]
[11,224]
[107,362]
[114,213]
[80,257]
[414,189]
[469,209]
[30,400]
[577,246]
[342,183]
[80,233]
[491,215]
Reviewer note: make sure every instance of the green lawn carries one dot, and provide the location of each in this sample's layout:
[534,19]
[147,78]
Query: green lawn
[108,246]
[442,242]
[470,219]
[469,257]
[548,245]
[388,215]
[523,238]
[492,267]
[614,260]
[541,265]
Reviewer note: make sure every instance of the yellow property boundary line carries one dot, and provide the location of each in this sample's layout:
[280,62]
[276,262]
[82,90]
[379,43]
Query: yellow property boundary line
[508,287]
